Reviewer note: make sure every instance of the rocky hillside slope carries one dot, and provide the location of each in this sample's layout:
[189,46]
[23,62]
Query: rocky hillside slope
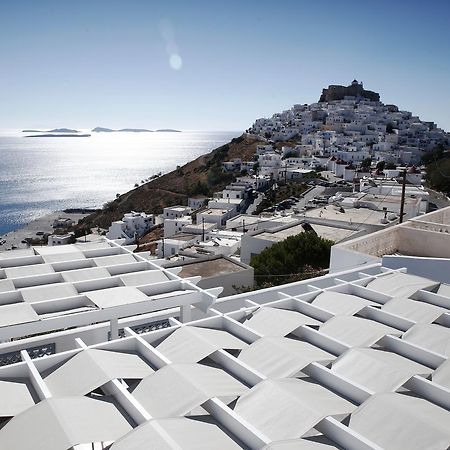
[200,176]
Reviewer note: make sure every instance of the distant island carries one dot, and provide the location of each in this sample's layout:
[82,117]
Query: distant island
[60,135]
[133,130]
[69,132]
[56,130]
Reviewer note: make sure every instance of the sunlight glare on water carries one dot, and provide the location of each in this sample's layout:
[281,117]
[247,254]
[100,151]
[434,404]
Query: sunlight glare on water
[41,175]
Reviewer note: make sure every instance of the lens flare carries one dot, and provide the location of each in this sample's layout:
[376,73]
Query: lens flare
[175,61]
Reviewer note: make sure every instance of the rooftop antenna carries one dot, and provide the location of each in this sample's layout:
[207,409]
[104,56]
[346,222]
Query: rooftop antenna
[402,204]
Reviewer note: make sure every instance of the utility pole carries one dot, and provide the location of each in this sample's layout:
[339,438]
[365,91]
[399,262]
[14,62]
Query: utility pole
[402,204]
[243,225]
[163,246]
[203,229]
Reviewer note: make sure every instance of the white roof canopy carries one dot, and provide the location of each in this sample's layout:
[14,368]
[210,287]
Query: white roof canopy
[6,285]
[192,344]
[61,423]
[48,292]
[288,408]
[17,313]
[395,421]
[186,434]
[26,271]
[116,296]
[278,322]
[339,303]
[91,368]
[176,389]
[435,338]
[15,398]
[444,289]
[141,278]
[413,310]
[281,357]
[442,374]
[298,444]
[114,260]
[90,273]
[377,370]
[356,331]
[400,284]
[61,257]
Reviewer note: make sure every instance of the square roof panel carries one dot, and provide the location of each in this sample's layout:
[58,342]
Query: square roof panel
[56,249]
[17,313]
[396,421]
[277,357]
[277,322]
[7,285]
[377,370]
[415,310]
[61,257]
[116,296]
[90,273]
[432,337]
[339,303]
[355,331]
[114,260]
[26,271]
[144,277]
[48,292]
[400,284]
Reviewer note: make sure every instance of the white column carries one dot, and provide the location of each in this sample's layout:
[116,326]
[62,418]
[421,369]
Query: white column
[114,328]
[185,313]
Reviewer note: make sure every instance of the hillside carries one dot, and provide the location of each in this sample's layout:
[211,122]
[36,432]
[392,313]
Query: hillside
[201,176]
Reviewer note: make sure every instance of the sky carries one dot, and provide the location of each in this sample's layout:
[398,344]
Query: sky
[213,65]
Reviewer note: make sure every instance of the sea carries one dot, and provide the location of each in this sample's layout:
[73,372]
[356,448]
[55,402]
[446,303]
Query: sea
[46,174]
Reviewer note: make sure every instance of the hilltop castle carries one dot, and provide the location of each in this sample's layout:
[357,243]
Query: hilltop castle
[355,89]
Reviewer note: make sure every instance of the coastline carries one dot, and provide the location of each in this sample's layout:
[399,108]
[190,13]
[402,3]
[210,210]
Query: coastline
[42,224]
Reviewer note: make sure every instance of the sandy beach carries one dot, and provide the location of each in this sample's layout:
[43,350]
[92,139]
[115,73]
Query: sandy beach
[41,225]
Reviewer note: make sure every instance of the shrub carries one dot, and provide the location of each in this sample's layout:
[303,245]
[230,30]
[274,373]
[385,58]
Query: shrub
[291,259]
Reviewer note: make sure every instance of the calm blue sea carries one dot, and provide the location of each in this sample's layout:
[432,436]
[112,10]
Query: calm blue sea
[42,175]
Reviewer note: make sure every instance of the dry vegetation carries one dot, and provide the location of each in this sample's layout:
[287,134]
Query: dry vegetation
[201,176]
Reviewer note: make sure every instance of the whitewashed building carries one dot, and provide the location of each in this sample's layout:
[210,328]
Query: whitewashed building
[133,225]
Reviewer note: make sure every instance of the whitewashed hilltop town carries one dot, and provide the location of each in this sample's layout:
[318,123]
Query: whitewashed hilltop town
[342,168]
[305,304]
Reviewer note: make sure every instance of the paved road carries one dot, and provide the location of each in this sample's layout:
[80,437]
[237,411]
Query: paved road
[315,192]
[252,207]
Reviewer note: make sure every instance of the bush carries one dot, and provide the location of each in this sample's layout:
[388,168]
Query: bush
[297,257]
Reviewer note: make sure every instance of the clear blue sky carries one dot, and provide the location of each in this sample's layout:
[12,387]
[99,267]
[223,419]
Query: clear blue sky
[213,64]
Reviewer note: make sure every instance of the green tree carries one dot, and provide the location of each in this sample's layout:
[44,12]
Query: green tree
[381,165]
[390,166]
[365,164]
[389,128]
[292,259]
